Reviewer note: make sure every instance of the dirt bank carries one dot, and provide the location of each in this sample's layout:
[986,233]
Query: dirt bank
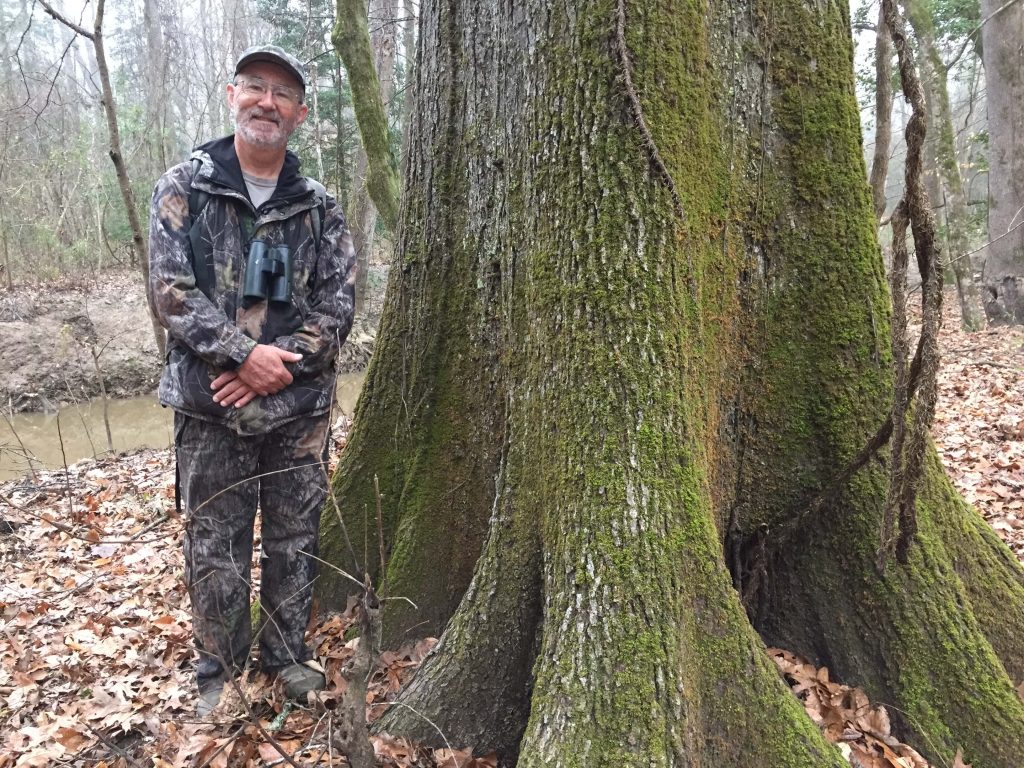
[48,334]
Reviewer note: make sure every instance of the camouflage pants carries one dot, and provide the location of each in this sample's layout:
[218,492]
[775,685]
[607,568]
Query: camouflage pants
[222,478]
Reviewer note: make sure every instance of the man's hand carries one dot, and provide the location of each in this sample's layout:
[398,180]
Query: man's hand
[263,373]
[230,390]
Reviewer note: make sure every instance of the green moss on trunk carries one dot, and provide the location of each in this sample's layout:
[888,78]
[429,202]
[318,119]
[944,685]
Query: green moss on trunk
[428,421]
[650,384]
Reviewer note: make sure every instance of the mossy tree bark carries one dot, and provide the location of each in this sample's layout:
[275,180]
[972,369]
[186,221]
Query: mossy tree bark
[629,410]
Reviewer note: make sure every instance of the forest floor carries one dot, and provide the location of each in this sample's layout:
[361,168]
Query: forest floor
[94,620]
[49,332]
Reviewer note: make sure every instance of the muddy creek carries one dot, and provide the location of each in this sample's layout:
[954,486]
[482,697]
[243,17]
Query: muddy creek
[137,422]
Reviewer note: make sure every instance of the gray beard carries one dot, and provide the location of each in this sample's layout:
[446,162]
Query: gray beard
[252,137]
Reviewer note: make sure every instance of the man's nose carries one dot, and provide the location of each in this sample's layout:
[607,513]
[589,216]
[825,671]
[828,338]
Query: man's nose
[267,100]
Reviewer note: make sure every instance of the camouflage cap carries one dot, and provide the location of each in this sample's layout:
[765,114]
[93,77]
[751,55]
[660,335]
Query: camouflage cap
[274,55]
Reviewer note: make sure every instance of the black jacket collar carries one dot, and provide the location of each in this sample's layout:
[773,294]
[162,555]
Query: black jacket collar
[290,185]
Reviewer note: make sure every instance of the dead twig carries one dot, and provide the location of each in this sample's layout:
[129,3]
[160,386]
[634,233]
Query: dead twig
[355,736]
[120,752]
[24,451]
[67,476]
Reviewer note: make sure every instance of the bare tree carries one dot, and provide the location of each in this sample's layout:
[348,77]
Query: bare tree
[110,111]
[409,49]
[352,41]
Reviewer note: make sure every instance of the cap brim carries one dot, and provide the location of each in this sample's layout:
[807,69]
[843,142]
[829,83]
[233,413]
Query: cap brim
[271,59]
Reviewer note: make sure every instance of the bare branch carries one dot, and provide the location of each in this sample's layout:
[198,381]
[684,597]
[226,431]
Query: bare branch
[970,35]
[77,29]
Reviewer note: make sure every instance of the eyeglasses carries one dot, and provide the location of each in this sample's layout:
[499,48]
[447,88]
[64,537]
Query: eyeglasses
[256,88]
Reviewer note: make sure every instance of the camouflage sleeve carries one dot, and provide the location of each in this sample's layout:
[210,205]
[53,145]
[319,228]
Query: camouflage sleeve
[184,310]
[331,301]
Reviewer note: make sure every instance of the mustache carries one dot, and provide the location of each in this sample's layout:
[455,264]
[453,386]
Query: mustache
[263,114]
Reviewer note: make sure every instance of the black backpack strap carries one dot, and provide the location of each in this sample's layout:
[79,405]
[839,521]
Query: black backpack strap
[202,254]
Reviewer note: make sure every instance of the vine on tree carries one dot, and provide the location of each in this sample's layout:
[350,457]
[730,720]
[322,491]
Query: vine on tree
[638,113]
[910,439]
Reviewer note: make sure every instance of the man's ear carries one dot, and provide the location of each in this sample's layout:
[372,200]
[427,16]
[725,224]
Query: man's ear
[303,111]
[231,95]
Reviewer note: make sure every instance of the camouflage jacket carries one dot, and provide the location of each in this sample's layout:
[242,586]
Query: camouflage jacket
[212,332]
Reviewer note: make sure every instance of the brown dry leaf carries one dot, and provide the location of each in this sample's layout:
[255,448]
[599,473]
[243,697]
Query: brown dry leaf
[71,739]
[875,722]
[99,632]
[914,760]
[958,759]
[269,754]
[458,758]
[845,715]
[396,750]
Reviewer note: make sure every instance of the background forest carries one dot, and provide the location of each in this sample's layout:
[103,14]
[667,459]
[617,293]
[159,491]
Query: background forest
[61,213]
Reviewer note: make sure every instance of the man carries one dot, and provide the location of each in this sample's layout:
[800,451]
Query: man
[252,273]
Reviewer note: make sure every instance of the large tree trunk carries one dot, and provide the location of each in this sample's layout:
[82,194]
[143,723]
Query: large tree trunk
[631,353]
[1003,54]
[947,167]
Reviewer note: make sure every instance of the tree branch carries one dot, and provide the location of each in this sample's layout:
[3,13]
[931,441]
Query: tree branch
[971,34]
[883,118]
[78,30]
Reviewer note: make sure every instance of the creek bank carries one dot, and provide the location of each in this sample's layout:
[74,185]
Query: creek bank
[50,332]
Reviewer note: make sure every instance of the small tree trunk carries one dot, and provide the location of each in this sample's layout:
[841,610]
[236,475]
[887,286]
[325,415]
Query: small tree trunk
[363,223]
[8,278]
[409,45]
[317,137]
[383,42]
[340,165]
[351,40]
[116,156]
[883,116]
[123,182]
[947,167]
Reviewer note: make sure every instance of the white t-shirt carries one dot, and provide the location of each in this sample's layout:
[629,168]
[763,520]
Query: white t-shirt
[260,190]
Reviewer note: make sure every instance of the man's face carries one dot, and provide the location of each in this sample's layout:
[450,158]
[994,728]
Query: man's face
[264,102]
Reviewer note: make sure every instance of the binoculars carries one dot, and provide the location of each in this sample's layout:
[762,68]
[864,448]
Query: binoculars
[268,273]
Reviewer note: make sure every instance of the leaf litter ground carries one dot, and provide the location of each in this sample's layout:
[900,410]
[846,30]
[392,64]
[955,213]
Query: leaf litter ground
[94,620]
